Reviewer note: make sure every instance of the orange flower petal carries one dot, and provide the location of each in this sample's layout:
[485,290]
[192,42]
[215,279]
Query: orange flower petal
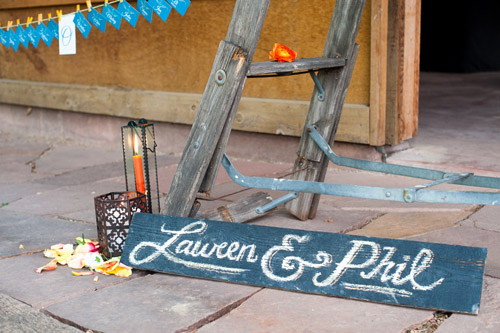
[49,267]
[82,273]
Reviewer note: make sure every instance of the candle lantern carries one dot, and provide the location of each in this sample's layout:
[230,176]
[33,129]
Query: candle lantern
[139,161]
[113,212]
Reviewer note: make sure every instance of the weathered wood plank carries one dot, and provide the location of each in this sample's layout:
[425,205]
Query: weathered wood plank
[403,70]
[17,4]
[254,114]
[244,30]
[378,71]
[339,44]
[214,108]
[215,119]
[399,272]
[304,64]
[325,115]
[239,211]
[305,206]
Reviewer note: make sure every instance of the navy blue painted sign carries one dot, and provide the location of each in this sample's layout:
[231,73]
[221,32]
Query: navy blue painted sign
[425,275]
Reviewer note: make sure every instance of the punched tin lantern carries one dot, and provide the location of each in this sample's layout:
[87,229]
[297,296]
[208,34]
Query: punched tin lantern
[113,212]
[139,161]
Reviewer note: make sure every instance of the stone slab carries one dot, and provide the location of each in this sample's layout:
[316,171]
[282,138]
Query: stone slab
[280,311]
[399,225]
[19,317]
[66,158]
[15,173]
[333,221]
[487,218]
[19,280]
[468,234]
[36,233]
[67,199]
[488,320]
[10,192]
[156,303]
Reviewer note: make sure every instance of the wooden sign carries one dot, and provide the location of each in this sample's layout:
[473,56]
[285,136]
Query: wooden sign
[416,274]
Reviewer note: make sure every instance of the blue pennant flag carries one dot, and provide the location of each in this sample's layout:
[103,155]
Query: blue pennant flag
[161,8]
[82,24]
[97,19]
[129,13]
[32,35]
[45,34]
[54,27]
[13,40]
[112,16]
[4,38]
[180,5]
[145,9]
[22,36]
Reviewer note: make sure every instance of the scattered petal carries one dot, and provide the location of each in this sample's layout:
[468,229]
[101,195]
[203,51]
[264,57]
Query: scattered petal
[49,267]
[64,258]
[21,246]
[86,248]
[93,259]
[114,267]
[57,246]
[82,273]
[96,278]
[77,261]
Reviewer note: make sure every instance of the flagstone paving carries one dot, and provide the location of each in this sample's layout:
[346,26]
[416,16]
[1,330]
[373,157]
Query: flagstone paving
[47,188]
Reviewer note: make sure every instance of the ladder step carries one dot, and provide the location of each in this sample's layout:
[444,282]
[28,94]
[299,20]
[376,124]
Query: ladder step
[299,66]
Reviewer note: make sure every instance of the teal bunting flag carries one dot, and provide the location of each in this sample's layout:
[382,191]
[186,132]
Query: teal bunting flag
[22,36]
[109,14]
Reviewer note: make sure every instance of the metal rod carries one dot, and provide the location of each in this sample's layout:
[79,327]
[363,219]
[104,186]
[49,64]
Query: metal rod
[401,170]
[321,91]
[275,203]
[364,192]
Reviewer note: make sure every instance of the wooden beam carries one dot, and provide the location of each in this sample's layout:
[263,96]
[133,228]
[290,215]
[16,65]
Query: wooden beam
[259,115]
[311,163]
[378,71]
[403,70]
[217,110]
[18,4]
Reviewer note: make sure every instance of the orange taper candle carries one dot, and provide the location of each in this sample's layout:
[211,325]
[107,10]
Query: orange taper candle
[139,174]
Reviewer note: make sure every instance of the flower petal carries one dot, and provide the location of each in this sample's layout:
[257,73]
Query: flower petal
[82,273]
[49,267]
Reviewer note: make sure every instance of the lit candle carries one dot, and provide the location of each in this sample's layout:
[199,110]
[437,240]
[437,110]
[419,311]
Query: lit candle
[139,172]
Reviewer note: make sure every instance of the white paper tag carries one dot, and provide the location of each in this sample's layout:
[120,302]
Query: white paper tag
[67,35]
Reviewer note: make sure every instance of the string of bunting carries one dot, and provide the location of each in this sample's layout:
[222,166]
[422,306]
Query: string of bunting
[11,38]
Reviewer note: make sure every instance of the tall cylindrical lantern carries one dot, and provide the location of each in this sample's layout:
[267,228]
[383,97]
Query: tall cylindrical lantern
[139,161]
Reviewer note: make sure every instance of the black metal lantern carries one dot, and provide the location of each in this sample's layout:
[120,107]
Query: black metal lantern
[139,161]
[113,213]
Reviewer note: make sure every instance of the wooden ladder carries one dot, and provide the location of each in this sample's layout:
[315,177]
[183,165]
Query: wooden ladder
[206,144]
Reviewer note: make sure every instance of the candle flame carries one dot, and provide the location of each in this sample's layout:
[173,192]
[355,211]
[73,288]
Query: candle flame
[136,145]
